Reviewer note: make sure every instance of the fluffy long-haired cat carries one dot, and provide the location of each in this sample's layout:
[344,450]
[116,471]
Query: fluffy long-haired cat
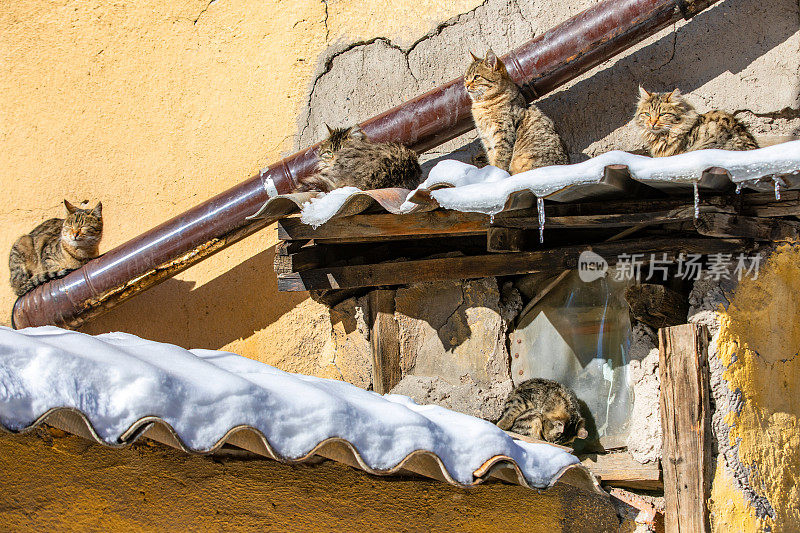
[516,136]
[348,158]
[55,247]
[543,409]
[670,125]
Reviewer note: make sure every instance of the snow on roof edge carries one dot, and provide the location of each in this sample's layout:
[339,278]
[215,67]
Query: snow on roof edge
[113,393]
[462,187]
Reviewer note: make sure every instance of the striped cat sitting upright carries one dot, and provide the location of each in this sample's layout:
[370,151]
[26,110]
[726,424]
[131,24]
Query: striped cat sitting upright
[55,247]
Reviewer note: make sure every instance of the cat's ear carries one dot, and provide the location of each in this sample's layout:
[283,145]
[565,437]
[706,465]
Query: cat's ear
[582,433]
[495,62]
[474,57]
[558,425]
[330,130]
[643,93]
[98,210]
[70,208]
[356,132]
[674,94]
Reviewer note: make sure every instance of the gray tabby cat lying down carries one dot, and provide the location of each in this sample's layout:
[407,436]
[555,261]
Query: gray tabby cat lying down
[543,409]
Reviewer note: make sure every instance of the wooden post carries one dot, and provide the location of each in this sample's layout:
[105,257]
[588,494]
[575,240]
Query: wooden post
[686,427]
[505,240]
[385,340]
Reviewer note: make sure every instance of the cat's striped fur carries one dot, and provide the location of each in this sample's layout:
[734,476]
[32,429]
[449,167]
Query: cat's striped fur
[516,136]
[55,247]
[670,125]
[348,158]
[543,409]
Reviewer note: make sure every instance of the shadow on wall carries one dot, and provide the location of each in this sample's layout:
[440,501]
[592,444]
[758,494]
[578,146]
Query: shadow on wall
[232,306]
[726,38]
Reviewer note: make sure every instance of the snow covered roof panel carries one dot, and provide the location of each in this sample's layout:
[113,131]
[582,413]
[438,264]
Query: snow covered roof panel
[489,190]
[116,387]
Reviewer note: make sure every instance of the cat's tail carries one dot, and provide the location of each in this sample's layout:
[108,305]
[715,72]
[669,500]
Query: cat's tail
[512,411]
[38,279]
[315,182]
[19,273]
[33,282]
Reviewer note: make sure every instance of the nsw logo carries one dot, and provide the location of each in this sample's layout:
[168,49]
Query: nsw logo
[591,266]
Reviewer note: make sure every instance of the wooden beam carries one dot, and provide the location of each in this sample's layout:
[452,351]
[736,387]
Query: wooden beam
[306,258]
[360,228]
[505,240]
[385,340]
[364,227]
[758,228]
[622,470]
[289,247]
[612,213]
[686,426]
[479,266]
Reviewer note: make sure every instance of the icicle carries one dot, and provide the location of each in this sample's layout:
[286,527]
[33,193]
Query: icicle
[696,201]
[491,219]
[739,188]
[540,209]
[777,188]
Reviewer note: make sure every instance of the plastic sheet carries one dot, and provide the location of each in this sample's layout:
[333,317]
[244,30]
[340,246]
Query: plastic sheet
[579,335]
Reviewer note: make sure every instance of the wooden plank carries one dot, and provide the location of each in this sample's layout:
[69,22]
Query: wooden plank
[686,423]
[478,266]
[304,259]
[385,340]
[762,229]
[505,240]
[604,220]
[362,227]
[622,470]
[612,213]
[289,247]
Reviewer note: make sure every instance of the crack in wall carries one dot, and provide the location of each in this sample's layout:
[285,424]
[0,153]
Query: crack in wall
[674,47]
[328,61]
[325,21]
[787,113]
[194,23]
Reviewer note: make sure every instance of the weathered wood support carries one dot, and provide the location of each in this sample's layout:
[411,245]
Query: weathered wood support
[299,258]
[686,424]
[620,469]
[385,340]
[479,266]
[758,228]
[505,240]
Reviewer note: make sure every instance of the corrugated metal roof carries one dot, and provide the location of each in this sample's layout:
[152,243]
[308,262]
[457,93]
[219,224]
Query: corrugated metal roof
[421,462]
[117,388]
[614,175]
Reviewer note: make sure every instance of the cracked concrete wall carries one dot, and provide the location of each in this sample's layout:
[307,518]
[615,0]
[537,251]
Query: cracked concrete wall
[754,389]
[644,433]
[740,55]
[453,348]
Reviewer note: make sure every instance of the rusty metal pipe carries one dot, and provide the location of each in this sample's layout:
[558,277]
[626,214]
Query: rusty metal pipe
[541,65]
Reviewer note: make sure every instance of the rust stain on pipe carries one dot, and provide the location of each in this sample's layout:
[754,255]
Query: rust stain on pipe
[541,65]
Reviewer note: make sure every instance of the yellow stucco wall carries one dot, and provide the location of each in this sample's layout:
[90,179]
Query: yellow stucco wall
[68,483]
[758,342]
[153,107]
